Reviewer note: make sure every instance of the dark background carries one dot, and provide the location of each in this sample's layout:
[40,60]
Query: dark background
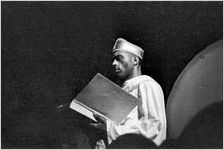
[51,50]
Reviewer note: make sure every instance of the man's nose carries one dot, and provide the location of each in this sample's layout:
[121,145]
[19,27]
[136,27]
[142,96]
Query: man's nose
[114,63]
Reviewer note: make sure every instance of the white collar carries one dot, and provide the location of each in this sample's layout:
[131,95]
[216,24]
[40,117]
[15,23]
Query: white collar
[136,80]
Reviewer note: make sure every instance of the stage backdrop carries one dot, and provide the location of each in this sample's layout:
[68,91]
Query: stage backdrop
[51,50]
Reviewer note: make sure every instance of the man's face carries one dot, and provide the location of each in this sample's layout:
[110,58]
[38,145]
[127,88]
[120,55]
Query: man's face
[122,64]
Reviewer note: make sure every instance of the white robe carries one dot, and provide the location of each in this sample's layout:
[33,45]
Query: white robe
[150,120]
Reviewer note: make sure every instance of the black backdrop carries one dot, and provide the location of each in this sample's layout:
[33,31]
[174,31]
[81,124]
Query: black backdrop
[51,50]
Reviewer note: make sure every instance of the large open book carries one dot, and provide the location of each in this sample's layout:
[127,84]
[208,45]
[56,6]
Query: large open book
[105,98]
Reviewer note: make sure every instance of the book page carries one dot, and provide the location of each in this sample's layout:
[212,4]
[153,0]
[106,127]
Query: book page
[79,108]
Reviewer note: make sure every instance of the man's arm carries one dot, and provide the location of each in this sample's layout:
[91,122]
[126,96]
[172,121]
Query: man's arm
[152,115]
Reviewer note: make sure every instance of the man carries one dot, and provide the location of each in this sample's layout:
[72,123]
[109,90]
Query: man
[149,120]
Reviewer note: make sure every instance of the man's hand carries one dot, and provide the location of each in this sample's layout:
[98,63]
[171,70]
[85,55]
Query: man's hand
[101,125]
[101,122]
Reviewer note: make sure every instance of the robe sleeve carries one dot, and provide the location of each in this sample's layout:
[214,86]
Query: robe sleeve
[151,114]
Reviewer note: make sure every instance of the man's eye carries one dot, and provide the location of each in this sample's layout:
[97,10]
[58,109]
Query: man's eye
[118,58]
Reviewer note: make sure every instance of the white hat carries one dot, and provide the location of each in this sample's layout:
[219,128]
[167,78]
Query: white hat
[123,45]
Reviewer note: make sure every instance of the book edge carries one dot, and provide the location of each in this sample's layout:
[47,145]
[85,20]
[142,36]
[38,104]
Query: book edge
[90,110]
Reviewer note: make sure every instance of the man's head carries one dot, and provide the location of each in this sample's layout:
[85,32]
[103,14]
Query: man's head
[127,58]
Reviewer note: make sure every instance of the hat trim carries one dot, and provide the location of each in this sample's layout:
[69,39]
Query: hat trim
[124,50]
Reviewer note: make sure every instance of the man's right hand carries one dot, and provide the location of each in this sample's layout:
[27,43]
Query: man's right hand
[101,122]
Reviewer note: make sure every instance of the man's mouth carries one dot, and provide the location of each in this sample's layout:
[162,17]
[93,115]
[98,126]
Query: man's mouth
[117,70]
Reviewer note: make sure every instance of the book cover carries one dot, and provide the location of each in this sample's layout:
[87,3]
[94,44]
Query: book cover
[105,98]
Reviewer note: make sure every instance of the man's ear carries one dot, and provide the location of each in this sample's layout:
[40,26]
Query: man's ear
[135,60]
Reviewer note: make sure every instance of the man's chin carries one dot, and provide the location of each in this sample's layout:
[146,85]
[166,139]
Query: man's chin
[119,75]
